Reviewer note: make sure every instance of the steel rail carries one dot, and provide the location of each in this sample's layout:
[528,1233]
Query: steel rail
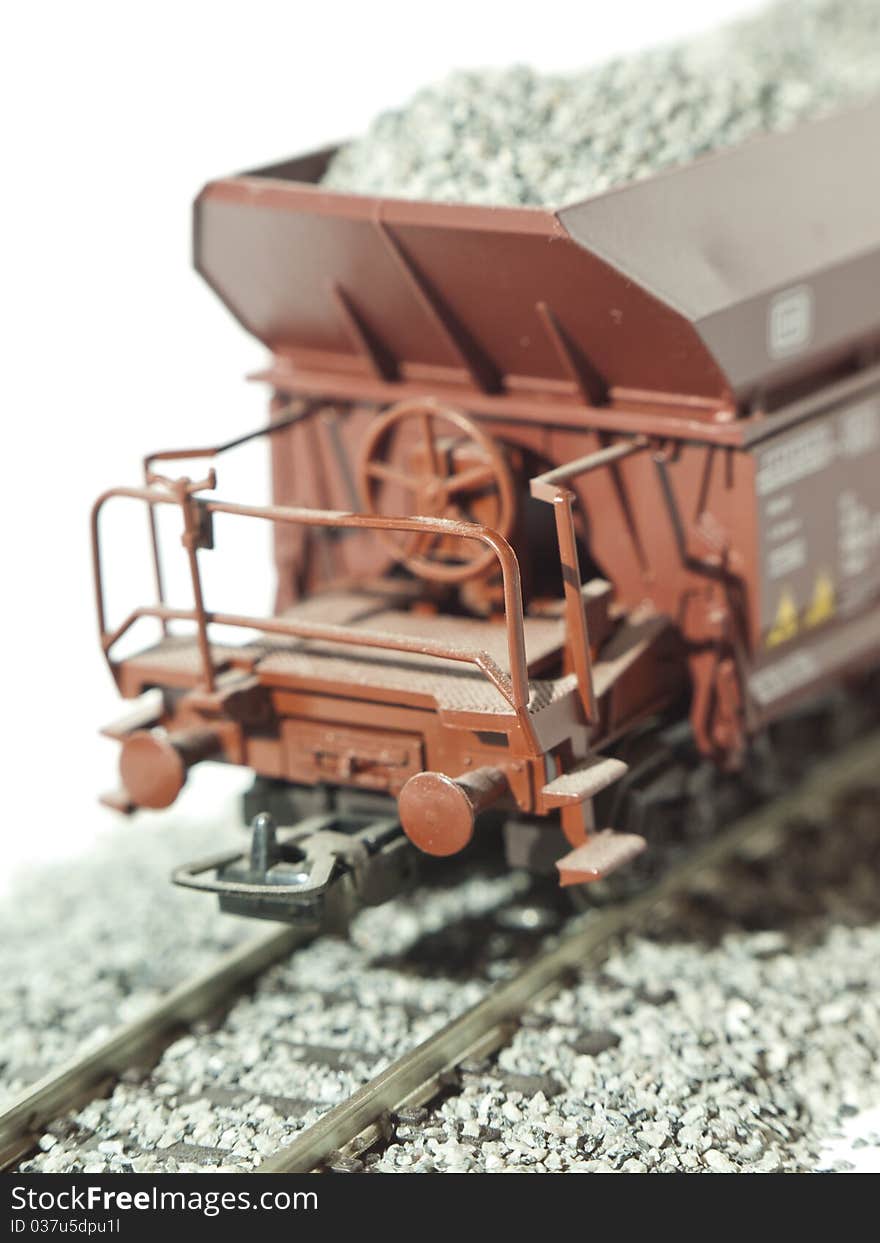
[417,1076]
[86,1074]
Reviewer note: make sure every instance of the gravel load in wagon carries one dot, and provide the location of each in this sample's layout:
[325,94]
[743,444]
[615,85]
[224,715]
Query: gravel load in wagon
[519,137]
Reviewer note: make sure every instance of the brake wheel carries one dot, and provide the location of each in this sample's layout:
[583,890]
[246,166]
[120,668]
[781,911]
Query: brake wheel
[423,459]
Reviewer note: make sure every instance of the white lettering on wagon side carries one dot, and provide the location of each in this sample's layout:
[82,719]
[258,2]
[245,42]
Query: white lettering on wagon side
[818,497]
[797,457]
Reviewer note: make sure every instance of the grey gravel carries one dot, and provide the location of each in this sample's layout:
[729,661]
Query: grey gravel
[516,136]
[315,1028]
[89,943]
[739,1031]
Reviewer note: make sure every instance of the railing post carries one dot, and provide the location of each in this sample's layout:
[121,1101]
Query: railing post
[550,487]
[157,562]
[575,613]
[190,541]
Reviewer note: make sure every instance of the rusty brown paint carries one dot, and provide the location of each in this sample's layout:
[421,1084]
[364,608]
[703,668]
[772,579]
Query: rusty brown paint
[438,813]
[153,765]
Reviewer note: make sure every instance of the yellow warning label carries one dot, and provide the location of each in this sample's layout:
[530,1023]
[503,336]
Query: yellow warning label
[823,603]
[785,626]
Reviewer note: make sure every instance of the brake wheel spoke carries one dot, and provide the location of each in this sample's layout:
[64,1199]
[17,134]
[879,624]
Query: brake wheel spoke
[470,480]
[387,473]
[433,456]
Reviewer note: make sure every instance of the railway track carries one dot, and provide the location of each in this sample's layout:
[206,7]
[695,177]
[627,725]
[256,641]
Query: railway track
[418,1076]
[360,1120]
[138,1042]
[311,1032]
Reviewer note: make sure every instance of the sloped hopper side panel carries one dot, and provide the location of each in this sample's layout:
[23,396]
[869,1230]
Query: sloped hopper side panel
[440,291]
[771,250]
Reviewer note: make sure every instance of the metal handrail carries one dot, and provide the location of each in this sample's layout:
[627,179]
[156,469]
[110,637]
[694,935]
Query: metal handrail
[546,487]
[551,487]
[284,417]
[515,689]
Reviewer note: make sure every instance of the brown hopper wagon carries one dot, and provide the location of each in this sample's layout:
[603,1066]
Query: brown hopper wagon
[540,479]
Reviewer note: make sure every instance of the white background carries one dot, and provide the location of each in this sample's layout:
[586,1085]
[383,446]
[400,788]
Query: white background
[113,117]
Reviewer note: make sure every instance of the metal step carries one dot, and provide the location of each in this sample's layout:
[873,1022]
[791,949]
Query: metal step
[599,856]
[583,781]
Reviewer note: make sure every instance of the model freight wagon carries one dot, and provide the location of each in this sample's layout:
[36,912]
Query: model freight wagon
[540,478]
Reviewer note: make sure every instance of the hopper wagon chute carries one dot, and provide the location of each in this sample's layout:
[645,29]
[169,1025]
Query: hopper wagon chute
[540,479]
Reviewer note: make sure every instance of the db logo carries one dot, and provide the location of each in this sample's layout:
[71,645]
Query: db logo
[790,321]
